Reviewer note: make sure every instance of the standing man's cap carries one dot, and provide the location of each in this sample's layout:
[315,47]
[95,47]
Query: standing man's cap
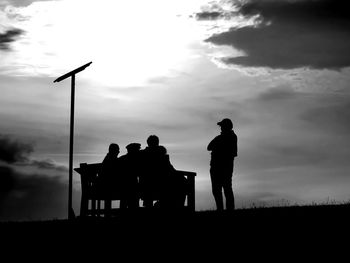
[226,123]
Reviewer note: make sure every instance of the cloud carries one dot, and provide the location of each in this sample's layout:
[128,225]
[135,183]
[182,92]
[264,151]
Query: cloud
[317,113]
[216,10]
[207,15]
[278,94]
[31,196]
[290,34]
[12,150]
[295,129]
[330,117]
[48,164]
[7,181]
[38,191]
[329,10]
[45,165]
[8,37]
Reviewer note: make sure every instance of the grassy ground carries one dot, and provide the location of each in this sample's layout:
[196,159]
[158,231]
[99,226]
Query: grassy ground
[291,217]
[319,228]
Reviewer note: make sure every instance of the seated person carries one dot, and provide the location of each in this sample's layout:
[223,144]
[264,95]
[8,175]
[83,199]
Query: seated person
[108,175]
[130,169]
[159,180]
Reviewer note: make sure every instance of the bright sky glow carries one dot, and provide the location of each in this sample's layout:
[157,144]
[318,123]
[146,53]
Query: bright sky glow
[129,42]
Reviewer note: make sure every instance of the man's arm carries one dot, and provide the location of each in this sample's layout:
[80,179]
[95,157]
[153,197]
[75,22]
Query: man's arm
[211,145]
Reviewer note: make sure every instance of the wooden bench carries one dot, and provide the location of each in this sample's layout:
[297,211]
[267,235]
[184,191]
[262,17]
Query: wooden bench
[91,197]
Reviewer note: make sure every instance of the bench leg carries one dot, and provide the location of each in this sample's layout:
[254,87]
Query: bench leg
[191,194]
[84,205]
[107,207]
[93,207]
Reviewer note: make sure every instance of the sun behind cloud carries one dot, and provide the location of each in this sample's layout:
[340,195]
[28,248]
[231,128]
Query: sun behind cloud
[129,42]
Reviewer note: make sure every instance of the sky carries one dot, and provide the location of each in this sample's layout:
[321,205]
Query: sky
[280,69]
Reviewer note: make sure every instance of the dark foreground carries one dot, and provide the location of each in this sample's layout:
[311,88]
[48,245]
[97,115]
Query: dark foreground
[252,232]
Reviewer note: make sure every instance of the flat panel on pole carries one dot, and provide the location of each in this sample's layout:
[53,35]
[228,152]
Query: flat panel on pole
[73,72]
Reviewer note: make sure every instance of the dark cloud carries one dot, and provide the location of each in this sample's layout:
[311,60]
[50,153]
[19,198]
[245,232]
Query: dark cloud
[8,37]
[34,196]
[321,11]
[48,164]
[12,150]
[7,181]
[209,15]
[291,34]
[214,11]
[38,193]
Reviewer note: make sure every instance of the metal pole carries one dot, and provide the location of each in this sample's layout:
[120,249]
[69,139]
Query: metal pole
[70,190]
[72,73]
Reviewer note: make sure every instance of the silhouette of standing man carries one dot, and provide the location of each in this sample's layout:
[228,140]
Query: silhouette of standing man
[223,152]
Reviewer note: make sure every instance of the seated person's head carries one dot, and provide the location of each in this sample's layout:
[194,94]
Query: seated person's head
[153,141]
[133,147]
[113,148]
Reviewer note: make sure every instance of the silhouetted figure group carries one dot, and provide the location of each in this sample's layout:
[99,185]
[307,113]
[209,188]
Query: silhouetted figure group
[142,174]
[148,175]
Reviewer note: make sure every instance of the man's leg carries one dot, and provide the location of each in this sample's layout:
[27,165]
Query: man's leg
[227,185]
[227,172]
[216,189]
